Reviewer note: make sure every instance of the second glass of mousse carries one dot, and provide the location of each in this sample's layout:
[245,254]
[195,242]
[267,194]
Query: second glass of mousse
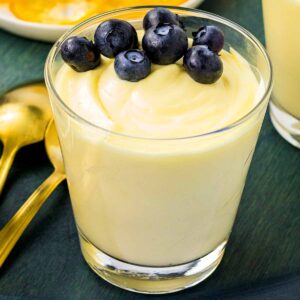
[158,119]
[281,18]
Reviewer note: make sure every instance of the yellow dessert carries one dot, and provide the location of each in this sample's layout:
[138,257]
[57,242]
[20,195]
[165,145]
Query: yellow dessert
[174,201]
[68,12]
[156,107]
[281,19]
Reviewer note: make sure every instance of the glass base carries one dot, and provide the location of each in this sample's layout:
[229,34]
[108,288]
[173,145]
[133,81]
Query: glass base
[150,280]
[287,125]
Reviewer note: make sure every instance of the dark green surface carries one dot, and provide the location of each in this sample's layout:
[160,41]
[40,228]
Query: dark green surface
[46,263]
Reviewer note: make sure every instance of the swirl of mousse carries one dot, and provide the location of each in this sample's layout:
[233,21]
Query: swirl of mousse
[166,104]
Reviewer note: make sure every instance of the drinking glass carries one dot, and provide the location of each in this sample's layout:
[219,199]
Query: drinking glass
[155,215]
[281,18]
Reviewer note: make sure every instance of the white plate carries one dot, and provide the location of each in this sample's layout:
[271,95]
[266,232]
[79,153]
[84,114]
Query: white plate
[45,32]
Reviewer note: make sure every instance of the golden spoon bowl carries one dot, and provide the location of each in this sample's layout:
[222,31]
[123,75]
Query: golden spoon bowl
[24,115]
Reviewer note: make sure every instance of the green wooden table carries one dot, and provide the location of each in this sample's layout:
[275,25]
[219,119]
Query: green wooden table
[265,244]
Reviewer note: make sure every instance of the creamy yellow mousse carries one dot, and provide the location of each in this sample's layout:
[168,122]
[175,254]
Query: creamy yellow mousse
[157,202]
[166,104]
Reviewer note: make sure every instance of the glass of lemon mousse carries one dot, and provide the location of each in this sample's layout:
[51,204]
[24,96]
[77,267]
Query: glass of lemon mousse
[158,111]
[281,18]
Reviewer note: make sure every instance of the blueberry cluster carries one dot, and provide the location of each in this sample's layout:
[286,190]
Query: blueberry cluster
[202,61]
[164,42]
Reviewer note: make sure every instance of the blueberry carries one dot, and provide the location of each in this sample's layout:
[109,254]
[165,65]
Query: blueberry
[165,43]
[132,65]
[160,15]
[211,36]
[80,54]
[202,64]
[114,36]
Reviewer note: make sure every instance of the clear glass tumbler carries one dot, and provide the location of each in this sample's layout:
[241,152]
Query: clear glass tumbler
[154,215]
[282,29]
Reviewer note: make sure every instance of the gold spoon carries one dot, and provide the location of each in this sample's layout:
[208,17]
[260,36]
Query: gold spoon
[13,230]
[24,115]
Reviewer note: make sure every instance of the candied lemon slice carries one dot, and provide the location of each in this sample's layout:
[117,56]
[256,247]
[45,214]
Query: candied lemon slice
[65,12]
[54,11]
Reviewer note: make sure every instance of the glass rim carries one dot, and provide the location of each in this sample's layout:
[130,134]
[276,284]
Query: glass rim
[55,48]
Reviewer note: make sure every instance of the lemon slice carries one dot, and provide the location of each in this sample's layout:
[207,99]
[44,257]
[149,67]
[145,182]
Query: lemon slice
[69,12]
[53,11]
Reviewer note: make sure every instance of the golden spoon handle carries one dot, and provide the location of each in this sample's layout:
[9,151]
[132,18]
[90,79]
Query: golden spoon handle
[13,230]
[7,158]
